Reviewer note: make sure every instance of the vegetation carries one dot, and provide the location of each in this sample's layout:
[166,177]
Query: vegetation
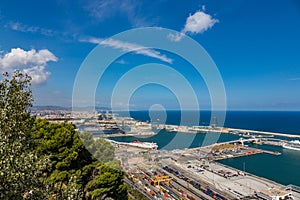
[43,160]
[134,194]
[20,168]
[73,165]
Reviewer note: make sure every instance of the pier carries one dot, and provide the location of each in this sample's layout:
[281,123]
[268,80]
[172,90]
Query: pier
[112,135]
[231,149]
[257,151]
[265,132]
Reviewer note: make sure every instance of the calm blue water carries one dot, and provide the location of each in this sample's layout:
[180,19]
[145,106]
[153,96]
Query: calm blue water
[273,121]
[284,169]
[171,140]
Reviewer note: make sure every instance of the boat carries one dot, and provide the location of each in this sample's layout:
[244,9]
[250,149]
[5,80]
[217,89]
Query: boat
[136,143]
[145,145]
[294,145]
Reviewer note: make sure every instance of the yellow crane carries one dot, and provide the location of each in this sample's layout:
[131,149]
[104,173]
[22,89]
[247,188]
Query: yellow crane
[156,180]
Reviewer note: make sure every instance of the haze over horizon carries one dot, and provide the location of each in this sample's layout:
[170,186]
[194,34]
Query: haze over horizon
[254,44]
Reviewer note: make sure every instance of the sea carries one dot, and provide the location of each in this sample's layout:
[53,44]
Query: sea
[284,169]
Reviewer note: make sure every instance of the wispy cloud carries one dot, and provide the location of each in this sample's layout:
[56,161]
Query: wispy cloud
[32,62]
[121,61]
[176,37]
[100,10]
[138,49]
[124,46]
[128,47]
[199,22]
[89,39]
[17,26]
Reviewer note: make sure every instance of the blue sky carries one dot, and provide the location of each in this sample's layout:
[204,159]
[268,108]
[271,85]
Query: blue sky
[255,45]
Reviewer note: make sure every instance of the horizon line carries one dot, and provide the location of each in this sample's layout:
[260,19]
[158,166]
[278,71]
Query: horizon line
[143,109]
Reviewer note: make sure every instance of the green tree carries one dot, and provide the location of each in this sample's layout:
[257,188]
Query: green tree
[20,169]
[108,183]
[101,149]
[67,155]
[75,172]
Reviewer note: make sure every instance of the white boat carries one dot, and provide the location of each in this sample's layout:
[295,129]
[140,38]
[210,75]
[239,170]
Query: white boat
[146,145]
[294,145]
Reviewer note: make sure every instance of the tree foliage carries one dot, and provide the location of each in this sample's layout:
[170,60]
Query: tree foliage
[20,168]
[101,150]
[63,145]
[43,160]
[108,184]
[74,166]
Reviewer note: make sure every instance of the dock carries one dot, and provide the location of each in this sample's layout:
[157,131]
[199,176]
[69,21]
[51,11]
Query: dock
[112,135]
[265,132]
[253,152]
[273,143]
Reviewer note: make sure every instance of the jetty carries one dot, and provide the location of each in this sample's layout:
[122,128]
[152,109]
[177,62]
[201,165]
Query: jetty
[264,132]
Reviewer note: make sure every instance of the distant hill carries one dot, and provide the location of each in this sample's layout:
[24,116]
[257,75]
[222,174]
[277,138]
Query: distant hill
[86,108]
[50,108]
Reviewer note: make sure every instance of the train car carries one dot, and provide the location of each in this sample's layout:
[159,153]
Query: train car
[218,196]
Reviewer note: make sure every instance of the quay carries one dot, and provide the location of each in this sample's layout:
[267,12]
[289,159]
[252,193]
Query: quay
[264,132]
[230,149]
[112,135]
[248,153]
[273,143]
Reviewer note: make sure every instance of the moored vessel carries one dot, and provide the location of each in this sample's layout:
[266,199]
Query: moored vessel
[293,145]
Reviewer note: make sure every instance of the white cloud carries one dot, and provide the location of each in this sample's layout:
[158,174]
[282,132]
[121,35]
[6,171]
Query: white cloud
[32,62]
[128,47]
[18,57]
[38,74]
[175,37]
[199,22]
